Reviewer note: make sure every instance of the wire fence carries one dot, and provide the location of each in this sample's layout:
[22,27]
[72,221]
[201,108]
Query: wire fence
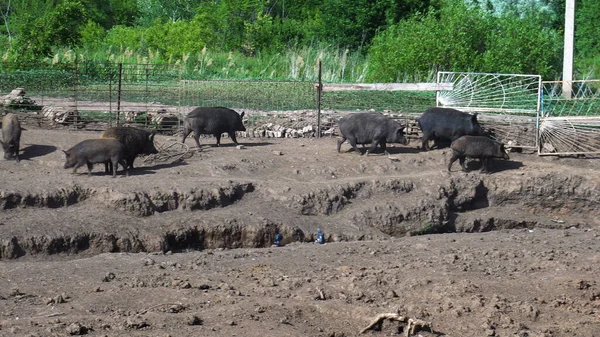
[508,104]
[570,125]
[95,96]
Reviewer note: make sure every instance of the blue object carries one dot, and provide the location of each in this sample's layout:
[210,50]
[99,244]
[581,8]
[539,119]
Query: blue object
[278,238]
[320,236]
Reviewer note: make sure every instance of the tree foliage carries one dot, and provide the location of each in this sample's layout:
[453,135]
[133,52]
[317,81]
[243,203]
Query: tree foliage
[587,45]
[402,39]
[460,37]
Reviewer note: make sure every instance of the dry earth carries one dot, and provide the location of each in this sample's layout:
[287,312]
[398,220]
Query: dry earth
[184,249]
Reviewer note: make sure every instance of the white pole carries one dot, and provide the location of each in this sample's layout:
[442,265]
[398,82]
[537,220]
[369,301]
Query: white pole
[568,49]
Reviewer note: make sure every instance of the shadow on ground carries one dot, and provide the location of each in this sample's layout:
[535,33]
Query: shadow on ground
[36,150]
[494,165]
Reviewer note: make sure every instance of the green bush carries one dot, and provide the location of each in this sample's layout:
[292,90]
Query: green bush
[522,45]
[416,48]
[463,38]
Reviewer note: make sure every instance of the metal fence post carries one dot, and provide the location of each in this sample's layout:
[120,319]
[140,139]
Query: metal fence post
[119,92]
[75,89]
[146,94]
[319,91]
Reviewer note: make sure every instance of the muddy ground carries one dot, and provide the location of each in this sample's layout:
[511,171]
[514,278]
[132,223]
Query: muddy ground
[184,249]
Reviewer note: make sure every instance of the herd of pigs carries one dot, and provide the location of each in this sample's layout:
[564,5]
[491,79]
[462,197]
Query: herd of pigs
[121,145]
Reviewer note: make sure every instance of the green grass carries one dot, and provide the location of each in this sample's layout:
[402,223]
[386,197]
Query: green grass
[396,101]
[296,64]
[427,229]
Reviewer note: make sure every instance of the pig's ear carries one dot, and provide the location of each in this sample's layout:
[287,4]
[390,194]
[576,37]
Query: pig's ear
[66,153]
[151,136]
[242,114]
[474,117]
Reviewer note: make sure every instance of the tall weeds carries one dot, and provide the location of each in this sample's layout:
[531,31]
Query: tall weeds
[297,64]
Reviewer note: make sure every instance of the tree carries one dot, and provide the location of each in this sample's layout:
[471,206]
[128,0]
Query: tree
[587,46]
[166,10]
[521,44]
[587,29]
[44,24]
[445,39]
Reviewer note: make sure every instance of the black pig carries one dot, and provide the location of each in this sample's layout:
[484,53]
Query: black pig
[212,121]
[11,136]
[480,147]
[447,124]
[136,141]
[92,151]
[373,128]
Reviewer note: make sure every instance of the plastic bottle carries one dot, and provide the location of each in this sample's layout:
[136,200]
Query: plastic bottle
[278,238]
[320,236]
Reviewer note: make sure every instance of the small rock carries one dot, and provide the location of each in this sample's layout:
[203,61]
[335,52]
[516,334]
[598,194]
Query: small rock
[204,286]
[240,147]
[57,299]
[15,292]
[77,329]
[135,322]
[277,153]
[108,277]
[185,285]
[193,320]
[176,308]
[149,262]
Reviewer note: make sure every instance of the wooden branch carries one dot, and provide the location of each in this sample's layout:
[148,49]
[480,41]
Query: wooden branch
[49,315]
[381,317]
[413,323]
[158,305]
[410,329]
[321,295]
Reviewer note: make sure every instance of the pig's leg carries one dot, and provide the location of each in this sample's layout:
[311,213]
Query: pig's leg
[484,165]
[232,136]
[127,167]
[455,156]
[462,163]
[383,147]
[78,165]
[197,139]
[373,146]
[352,142]
[115,164]
[341,140]
[186,132]
[90,166]
[425,143]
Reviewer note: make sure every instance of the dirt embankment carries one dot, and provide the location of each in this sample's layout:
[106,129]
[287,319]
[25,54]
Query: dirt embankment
[532,274]
[230,198]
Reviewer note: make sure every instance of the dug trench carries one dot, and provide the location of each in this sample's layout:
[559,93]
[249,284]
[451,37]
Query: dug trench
[79,218]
